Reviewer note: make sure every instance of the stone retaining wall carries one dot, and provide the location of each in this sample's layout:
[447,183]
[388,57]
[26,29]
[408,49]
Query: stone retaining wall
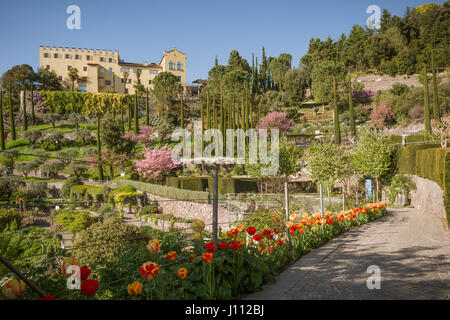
[428,198]
[193,210]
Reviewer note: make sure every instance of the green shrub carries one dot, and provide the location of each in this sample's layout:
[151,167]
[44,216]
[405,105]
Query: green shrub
[17,143]
[65,190]
[149,209]
[85,192]
[49,146]
[9,218]
[109,238]
[74,221]
[168,192]
[125,188]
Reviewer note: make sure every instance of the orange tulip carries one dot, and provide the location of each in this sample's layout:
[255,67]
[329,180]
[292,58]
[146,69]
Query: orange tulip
[135,288]
[149,270]
[182,273]
[13,289]
[172,255]
[153,246]
[207,257]
[192,256]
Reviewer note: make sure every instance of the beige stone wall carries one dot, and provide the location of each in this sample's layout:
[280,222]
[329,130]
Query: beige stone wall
[428,198]
[102,71]
[192,210]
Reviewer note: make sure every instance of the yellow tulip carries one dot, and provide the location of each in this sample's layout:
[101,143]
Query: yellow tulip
[13,289]
[135,288]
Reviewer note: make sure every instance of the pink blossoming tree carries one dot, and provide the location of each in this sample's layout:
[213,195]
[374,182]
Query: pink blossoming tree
[144,136]
[276,120]
[381,115]
[156,163]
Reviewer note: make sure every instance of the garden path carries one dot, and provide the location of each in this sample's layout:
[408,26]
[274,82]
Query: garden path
[411,248]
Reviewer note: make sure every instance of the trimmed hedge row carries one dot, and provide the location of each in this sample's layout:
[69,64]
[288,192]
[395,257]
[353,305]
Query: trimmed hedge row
[429,162]
[406,157]
[226,185]
[168,192]
[84,191]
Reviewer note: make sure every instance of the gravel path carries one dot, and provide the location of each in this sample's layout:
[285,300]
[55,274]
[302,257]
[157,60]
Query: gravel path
[411,248]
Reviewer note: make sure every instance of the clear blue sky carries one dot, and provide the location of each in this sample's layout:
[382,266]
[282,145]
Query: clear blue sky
[141,29]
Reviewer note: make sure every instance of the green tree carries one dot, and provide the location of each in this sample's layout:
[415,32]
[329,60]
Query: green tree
[73,76]
[48,80]
[2,125]
[295,84]
[164,89]
[426,103]
[373,155]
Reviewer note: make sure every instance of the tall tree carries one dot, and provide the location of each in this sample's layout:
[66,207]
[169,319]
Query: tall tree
[73,76]
[99,151]
[2,128]
[337,129]
[147,109]
[125,77]
[350,106]
[12,126]
[136,113]
[426,102]
[24,109]
[436,109]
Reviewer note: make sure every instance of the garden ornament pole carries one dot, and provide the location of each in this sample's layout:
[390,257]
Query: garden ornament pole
[286,201]
[321,199]
[215,203]
[21,276]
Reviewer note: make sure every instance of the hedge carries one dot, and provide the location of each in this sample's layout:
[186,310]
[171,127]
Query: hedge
[429,162]
[168,192]
[226,185]
[84,191]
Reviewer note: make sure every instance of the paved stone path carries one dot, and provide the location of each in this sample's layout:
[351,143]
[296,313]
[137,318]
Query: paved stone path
[411,248]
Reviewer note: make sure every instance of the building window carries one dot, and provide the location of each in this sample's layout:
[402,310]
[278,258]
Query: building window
[110,70]
[171,65]
[77,57]
[55,55]
[179,66]
[102,70]
[134,70]
[108,82]
[129,80]
[149,81]
[82,87]
[88,58]
[67,56]
[47,67]
[110,60]
[84,68]
[68,68]
[101,59]
[126,91]
[45,55]
[179,78]
[60,77]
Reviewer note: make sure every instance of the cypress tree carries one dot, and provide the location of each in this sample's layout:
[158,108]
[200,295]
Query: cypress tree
[215,122]
[216,62]
[33,117]
[99,151]
[426,103]
[436,111]
[122,118]
[136,114]
[182,110]
[337,129]
[208,113]
[129,113]
[243,113]
[24,110]
[350,106]
[147,110]
[11,116]
[2,128]
[202,115]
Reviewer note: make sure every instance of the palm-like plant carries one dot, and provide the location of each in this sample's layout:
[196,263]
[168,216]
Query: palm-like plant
[73,76]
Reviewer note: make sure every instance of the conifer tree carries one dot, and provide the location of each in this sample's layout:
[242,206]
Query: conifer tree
[337,129]
[350,106]
[147,110]
[426,103]
[208,112]
[99,151]
[2,128]
[436,109]
[11,116]
[33,117]
[136,114]
[24,110]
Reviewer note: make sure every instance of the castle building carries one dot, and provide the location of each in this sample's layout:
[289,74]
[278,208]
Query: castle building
[104,71]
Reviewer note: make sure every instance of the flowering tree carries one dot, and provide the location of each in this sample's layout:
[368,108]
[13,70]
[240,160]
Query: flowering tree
[276,120]
[144,136]
[156,163]
[442,130]
[381,115]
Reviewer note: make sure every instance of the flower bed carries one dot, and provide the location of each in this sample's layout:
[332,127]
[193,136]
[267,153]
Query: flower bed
[245,258]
